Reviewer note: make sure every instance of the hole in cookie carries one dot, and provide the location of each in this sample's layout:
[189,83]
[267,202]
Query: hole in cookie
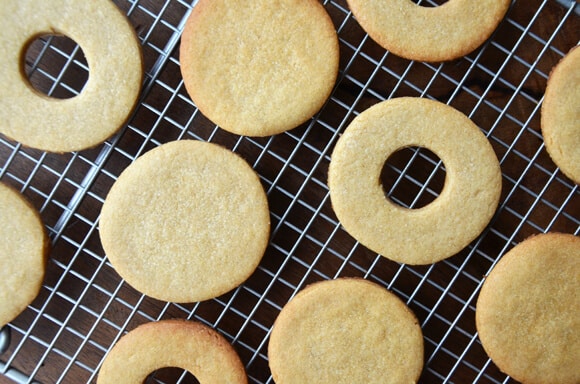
[55,66]
[413,177]
[171,375]
[429,3]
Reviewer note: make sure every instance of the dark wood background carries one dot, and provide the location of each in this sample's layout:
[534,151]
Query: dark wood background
[84,307]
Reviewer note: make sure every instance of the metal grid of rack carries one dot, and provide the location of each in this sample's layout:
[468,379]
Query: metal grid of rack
[84,307]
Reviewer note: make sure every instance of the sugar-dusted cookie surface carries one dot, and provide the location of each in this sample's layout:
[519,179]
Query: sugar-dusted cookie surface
[527,310]
[438,230]
[561,115]
[424,33]
[172,343]
[259,69]
[346,331]
[23,252]
[186,222]
[113,54]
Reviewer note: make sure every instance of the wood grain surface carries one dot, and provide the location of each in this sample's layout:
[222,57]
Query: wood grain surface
[84,307]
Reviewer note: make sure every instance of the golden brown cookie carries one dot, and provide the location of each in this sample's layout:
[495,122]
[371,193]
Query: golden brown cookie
[172,343]
[414,236]
[440,33]
[186,222]
[527,310]
[23,252]
[262,69]
[561,115]
[345,331]
[113,55]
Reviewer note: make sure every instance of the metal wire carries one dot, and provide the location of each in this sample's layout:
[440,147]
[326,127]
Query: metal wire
[84,307]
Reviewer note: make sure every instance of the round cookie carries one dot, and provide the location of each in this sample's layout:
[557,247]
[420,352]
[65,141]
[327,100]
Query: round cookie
[433,34]
[185,222]
[23,252]
[172,343]
[527,310]
[345,331]
[259,70]
[113,55]
[561,115]
[414,236]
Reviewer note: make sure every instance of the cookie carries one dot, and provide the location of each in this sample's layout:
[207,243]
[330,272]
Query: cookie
[24,248]
[345,331]
[432,34]
[436,231]
[560,119]
[172,343]
[113,55]
[185,222]
[262,69]
[527,310]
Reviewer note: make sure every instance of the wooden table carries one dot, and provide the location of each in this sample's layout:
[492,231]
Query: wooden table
[84,307]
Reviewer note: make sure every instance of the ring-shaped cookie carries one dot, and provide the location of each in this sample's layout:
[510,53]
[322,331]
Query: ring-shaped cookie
[23,253]
[561,115]
[114,58]
[172,343]
[441,33]
[436,231]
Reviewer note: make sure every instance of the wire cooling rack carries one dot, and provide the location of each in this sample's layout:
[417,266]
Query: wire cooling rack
[84,307]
